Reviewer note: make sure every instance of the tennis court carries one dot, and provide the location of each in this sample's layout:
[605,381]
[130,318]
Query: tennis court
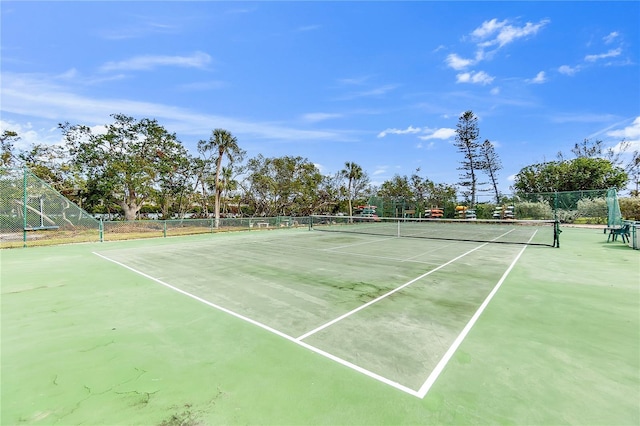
[296,326]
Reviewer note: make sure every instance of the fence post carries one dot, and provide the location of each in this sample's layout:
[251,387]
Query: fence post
[24,206]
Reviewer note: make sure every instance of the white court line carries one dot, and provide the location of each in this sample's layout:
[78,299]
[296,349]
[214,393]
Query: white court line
[272,330]
[361,243]
[395,259]
[337,251]
[377,299]
[463,334]
[410,259]
[421,393]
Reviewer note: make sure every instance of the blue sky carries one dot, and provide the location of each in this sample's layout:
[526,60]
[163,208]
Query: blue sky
[381,84]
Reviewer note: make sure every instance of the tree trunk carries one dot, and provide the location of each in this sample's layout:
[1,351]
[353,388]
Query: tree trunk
[130,210]
[217,187]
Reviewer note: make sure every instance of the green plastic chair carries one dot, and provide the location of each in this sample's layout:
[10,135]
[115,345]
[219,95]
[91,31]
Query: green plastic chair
[624,232]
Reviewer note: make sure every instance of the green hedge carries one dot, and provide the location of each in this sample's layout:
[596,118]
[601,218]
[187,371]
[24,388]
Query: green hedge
[630,208]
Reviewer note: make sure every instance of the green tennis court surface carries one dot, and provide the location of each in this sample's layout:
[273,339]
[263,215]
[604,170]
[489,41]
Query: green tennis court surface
[308,327]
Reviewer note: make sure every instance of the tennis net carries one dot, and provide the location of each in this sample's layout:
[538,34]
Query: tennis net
[533,232]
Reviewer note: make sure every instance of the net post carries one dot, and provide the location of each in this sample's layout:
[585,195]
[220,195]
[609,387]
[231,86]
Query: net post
[164,228]
[556,222]
[101,231]
[398,233]
[556,234]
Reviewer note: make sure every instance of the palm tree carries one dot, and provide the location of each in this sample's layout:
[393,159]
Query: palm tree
[353,173]
[225,144]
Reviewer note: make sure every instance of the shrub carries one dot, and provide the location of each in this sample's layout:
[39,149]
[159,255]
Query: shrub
[630,208]
[533,210]
[592,210]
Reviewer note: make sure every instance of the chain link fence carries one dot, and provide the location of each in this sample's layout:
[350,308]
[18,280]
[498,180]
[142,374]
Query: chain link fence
[123,230]
[32,213]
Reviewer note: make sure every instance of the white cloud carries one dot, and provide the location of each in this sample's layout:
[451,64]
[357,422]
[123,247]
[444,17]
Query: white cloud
[44,98]
[610,54]
[378,90]
[70,74]
[582,118]
[30,135]
[354,81]
[374,92]
[631,134]
[539,78]
[457,63]
[429,146]
[380,170]
[442,133]
[315,117]
[495,34]
[488,28]
[148,62]
[501,33]
[608,39]
[567,70]
[139,30]
[479,77]
[495,91]
[408,130]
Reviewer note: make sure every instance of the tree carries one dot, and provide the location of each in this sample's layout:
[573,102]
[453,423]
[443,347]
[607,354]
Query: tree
[357,181]
[7,139]
[201,168]
[428,194]
[633,170]
[617,155]
[228,184]
[595,149]
[570,175]
[124,165]
[223,143]
[396,187]
[174,174]
[282,186]
[466,140]
[491,164]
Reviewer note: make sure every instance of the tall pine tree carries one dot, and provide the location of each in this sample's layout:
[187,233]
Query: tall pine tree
[466,140]
[491,165]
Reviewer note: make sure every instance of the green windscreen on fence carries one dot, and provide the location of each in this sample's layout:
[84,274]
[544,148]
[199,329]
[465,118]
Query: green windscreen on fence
[534,232]
[614,216]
